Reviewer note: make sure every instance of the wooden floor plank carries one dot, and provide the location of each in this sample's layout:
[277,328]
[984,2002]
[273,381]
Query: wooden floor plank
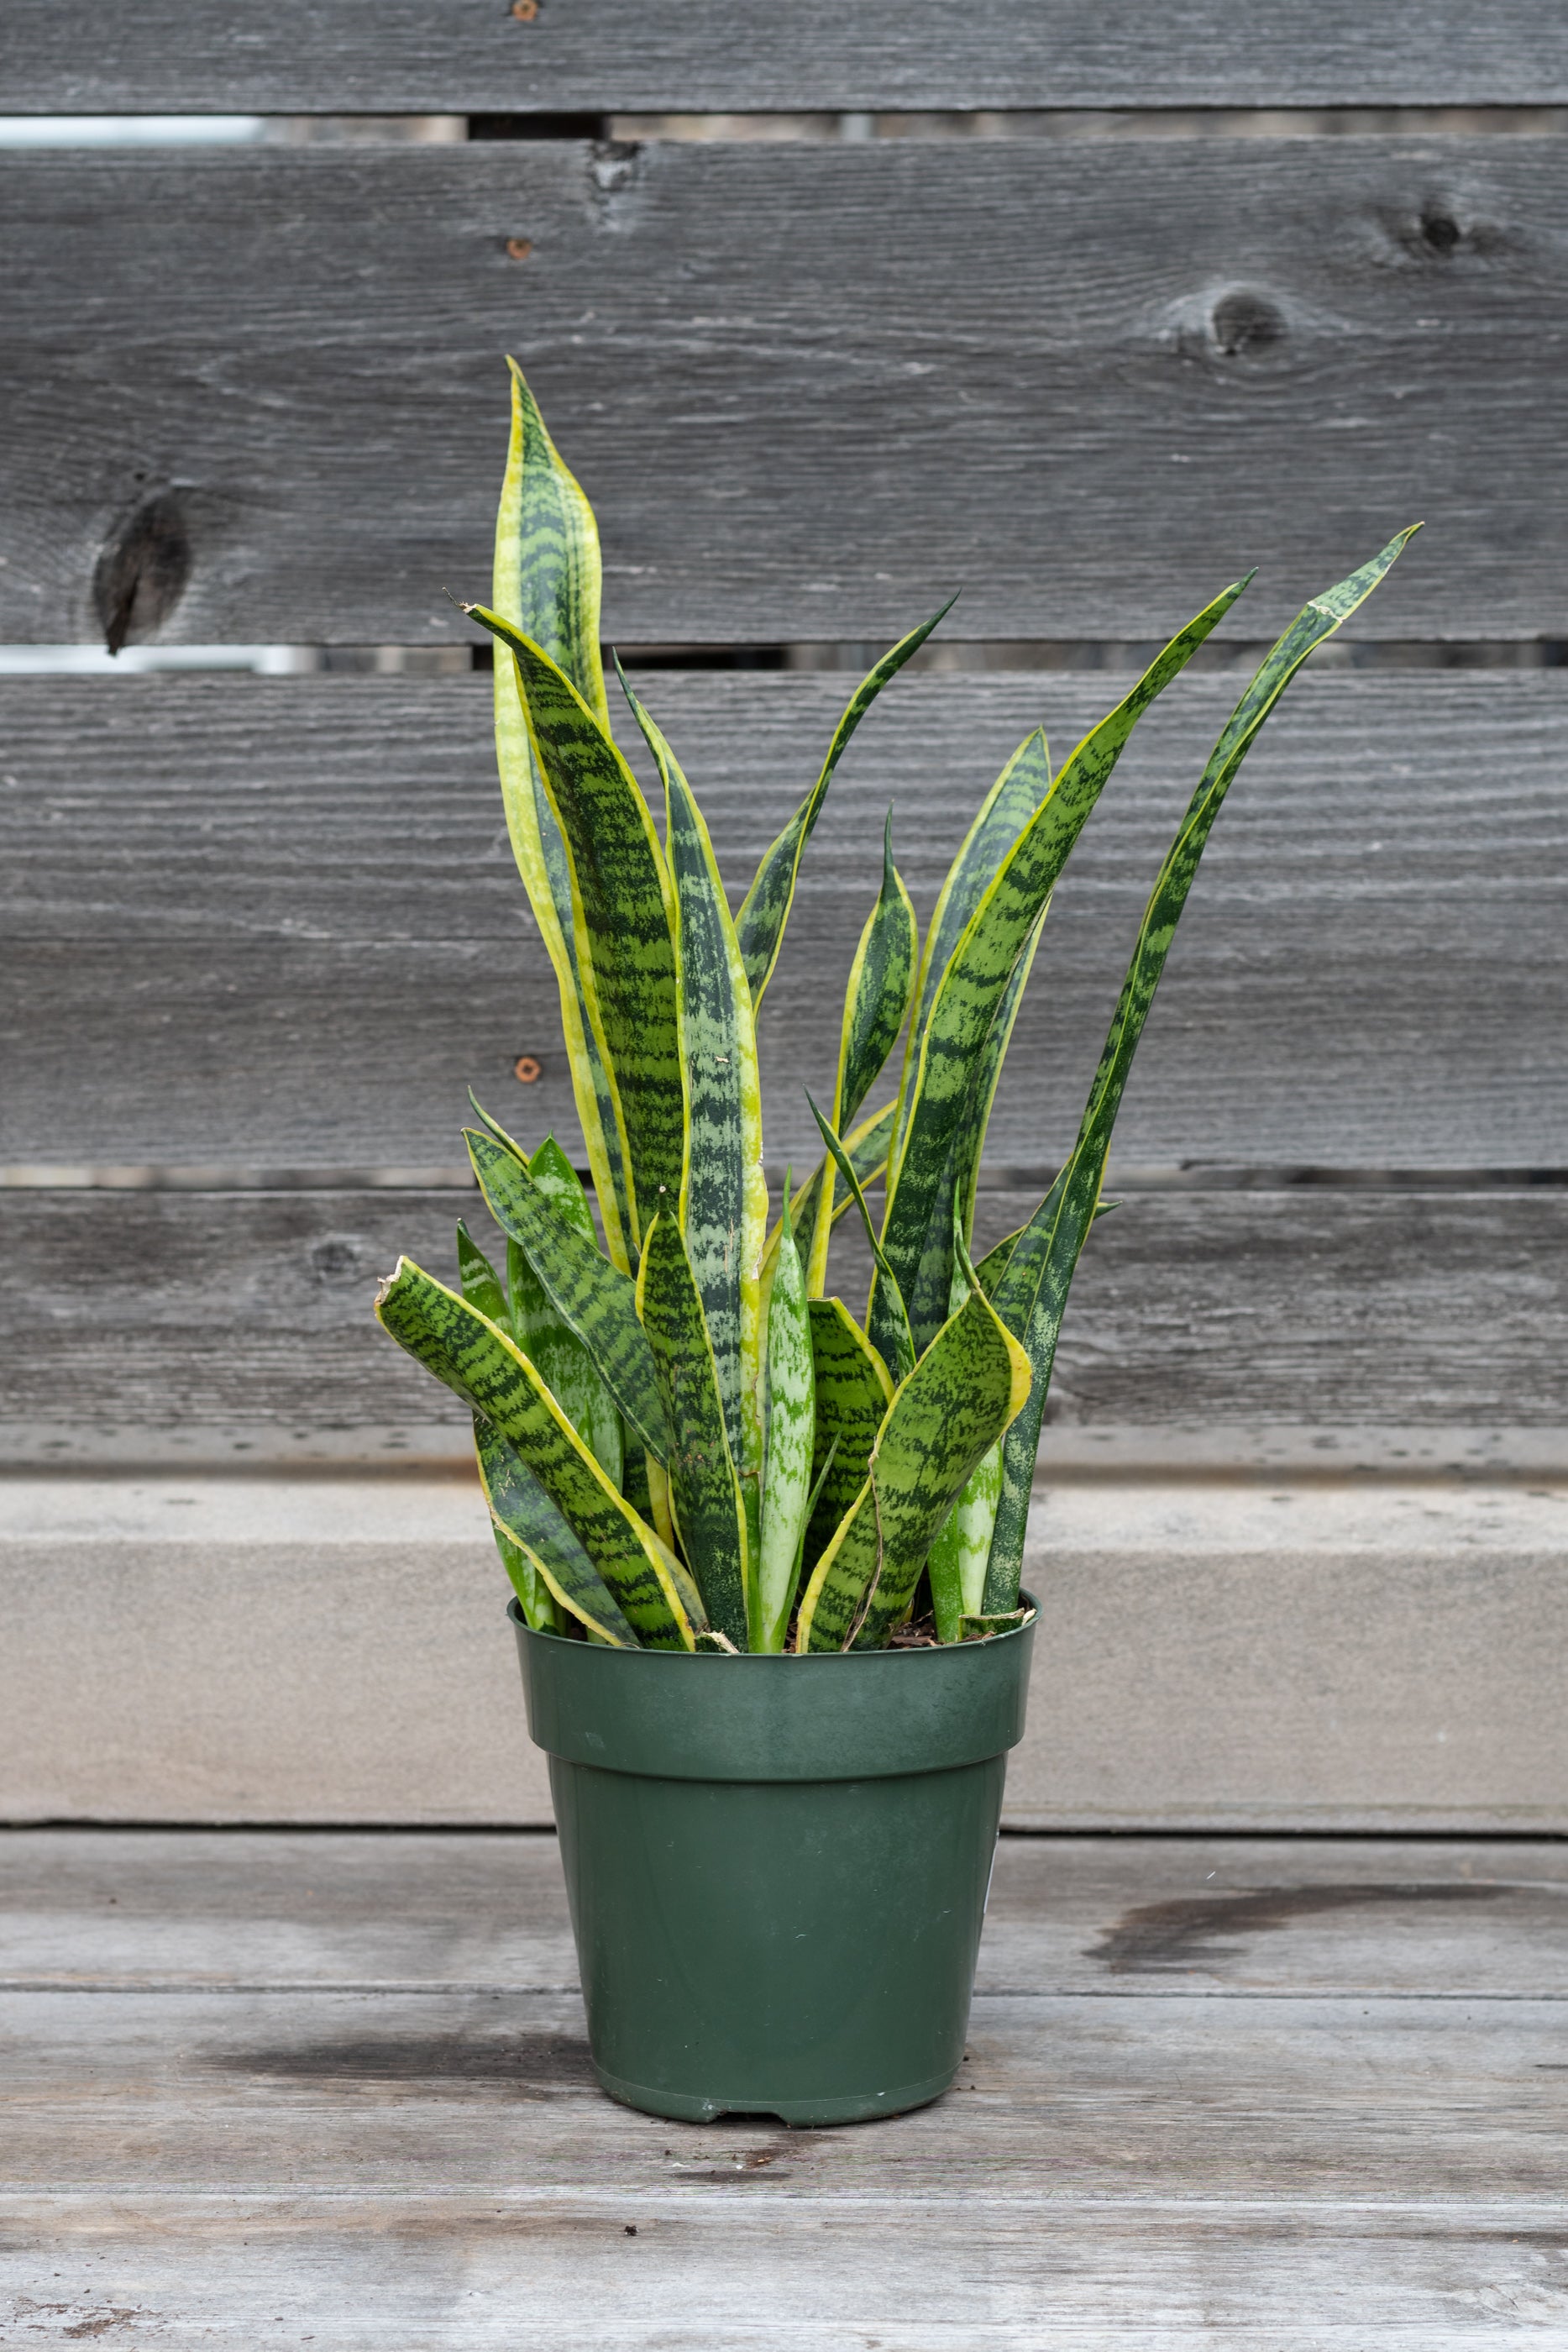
[1358,2097]
[145,1910]
[1289,2096]
[737,2271]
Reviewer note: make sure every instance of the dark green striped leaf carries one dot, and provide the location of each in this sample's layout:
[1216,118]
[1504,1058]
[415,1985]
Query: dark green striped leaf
[853,1392]
[546,585]
[943,1418]
[791,1434]
[531,1533]
[1007,808]
[867,1148]
[477,1361]
[724,1192]
[594,1298]
[890,1333]
[704,1486]
[875,1003]
[975,980]
[1031,1294]
[622,915]
[765,907]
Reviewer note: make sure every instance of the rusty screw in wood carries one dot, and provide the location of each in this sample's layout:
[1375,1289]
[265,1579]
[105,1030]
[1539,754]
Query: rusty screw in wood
[525,11]
[519,248]
[527,1068]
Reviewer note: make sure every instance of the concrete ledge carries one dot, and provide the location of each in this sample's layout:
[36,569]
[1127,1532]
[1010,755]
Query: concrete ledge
[1215,1654]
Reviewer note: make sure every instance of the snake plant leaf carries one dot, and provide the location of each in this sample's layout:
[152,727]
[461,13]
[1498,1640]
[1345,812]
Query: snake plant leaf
[1032,1295]
[982,1629]
[954,1205]
[867,1147]
[851,1392]
[562,1362]
[480,1284]
[724,1192]
[792,1441]
[875,1003]
[530,1530]
[476,1358]
[962,1551]
[889,1334]
[594,1298]
[975,980]
[945,1417]
[956,1566]
[546,587]
[622,915]
[543,1333]
[765,909]
[547,567]
[1007,808]
[704,1486]
[554,1176]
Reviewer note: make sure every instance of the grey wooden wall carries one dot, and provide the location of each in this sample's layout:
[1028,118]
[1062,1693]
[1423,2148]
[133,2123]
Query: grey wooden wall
[1298,1543]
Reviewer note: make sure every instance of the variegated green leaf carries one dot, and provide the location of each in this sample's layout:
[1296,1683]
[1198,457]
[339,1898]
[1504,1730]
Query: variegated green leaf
[1031,1294]
[547,583]
[853,1392]
[480,1284]
[483,1288]
[975,980]
[1007,808]
[594,1298]
[791,1438]
[867,1148]
[961,1552]
[530,1531]
[622,915]
[481,1364]
[956,1195]
[704,1486]
[547,569]
[562,1362]
[982,1629]
[765,907]
[892,1338]
[554,1176]
[947,1413]
[724,1192]
[875,1003]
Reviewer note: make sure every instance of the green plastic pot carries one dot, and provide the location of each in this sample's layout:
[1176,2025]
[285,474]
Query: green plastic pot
[777,1866]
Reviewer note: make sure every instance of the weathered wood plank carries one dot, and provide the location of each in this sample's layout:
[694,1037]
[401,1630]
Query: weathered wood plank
[812,388]
[1294,1655]
[132,1315]
[1149,2097]
[100,1910]
[445,2271]
[424,54]
[298,898]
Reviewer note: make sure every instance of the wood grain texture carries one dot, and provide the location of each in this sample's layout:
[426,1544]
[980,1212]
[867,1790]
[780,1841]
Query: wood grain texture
[1207,2093]
[419,56]
[298,898]
[145,1910]
[1300,1655]
[812,388]
[146,1312]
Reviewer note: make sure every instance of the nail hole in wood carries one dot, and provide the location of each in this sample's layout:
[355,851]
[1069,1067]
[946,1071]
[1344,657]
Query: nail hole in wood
[1440,230]
[143,572]
[525,11]
[519,248]
[527,1068]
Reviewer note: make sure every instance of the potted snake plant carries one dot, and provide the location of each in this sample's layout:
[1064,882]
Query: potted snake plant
[766,1552]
